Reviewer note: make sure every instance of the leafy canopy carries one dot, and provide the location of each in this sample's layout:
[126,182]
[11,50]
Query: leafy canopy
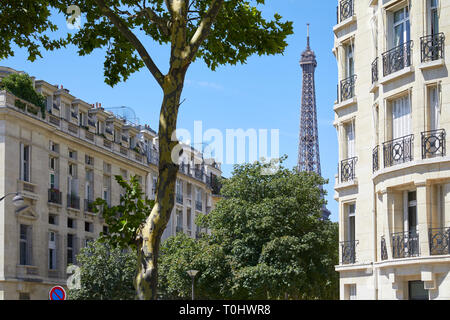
[106,273]
[21,85]
[267,241]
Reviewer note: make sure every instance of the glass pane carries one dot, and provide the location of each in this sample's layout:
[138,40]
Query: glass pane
[398,35]
[417,290]
[398,15]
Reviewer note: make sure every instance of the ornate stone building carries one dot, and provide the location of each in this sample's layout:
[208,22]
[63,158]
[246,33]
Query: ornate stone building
[392,116]
[60,161]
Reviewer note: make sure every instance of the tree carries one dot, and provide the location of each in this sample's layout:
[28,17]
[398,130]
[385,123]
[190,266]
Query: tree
[106,273]
[21,86]
[267,241]
[217,31]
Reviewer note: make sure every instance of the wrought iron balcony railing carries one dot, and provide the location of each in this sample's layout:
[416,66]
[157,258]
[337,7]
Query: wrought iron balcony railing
[348,169]
[375,159]
[73,201]
[397,58]
[432,47]
[384,254]
[439,239]
[348,88]
[375,70]
[397,151]
[433,143]
[345,9]
[348,251]
[54,196]
[405,244]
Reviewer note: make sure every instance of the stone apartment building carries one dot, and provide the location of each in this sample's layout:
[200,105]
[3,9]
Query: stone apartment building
[62,160]
[392,114]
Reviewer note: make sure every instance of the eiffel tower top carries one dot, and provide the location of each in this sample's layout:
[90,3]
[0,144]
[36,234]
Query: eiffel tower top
[308,56]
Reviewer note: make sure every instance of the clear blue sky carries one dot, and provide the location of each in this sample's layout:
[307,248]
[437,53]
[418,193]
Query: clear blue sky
[262,94]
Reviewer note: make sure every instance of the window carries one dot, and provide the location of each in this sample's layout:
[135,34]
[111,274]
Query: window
[71,223]
[417,291]
[53,146]
[188,218]
[52,219]
[351,291]
[24,296]
[87,241]
[25,162]
[401,27]
[401,117]
[412,212]
[154,185]
[25,244]
[52,240]
[350,139]
[72,154]
[70,249]
[349,61]
[433,16]
[88,226]
[434,109]
[179,215]
[89,160]
[179,188]
[105,229]
[351,222]
[89,187]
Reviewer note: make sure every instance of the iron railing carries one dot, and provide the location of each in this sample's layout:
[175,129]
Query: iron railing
[397,151]
[54,196]
[348,169]
[348,251]
[375,70]
[432,47]
[439,239]
[348,88]
[405,244]
[433,143]
[397,58]
[375,159]
[73,201]
[345,9]
[384,254]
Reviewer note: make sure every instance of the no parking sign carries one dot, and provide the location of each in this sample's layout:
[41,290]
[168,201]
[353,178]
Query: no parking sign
[57,293]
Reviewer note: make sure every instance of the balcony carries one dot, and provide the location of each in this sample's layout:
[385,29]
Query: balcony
[375,159]
[348,251]
[345,10]
[405,244]
[439,239]
[54,196]
[397,58]
[433,143]
[198,174]
[397,151]
[179,198]
[348,88]
[347,171]
[73,202]
[432,47]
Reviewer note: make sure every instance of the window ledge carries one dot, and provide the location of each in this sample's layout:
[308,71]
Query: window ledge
[432,64]
[344,23]
[374,87]
[342,185]
[345,103]
[397,75]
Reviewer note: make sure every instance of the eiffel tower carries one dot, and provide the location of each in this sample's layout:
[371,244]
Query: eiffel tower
[308,148]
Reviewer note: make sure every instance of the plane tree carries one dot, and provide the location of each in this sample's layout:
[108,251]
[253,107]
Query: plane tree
[219,32]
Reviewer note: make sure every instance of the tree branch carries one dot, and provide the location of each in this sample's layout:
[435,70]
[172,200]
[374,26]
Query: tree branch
[203,29]
[130,36]
[159,21]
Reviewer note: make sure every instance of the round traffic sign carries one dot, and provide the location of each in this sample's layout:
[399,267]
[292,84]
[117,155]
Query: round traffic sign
[57,293]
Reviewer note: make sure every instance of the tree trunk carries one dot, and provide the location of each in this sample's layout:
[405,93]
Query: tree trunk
[150,234]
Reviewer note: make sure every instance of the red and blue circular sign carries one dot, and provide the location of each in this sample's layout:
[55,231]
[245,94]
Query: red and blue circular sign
[57,293]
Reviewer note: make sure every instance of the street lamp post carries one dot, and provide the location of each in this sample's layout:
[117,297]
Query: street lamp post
[17,200]
[192,274]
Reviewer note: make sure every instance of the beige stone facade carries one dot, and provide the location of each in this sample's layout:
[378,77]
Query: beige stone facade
[62,161]
[392,115]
